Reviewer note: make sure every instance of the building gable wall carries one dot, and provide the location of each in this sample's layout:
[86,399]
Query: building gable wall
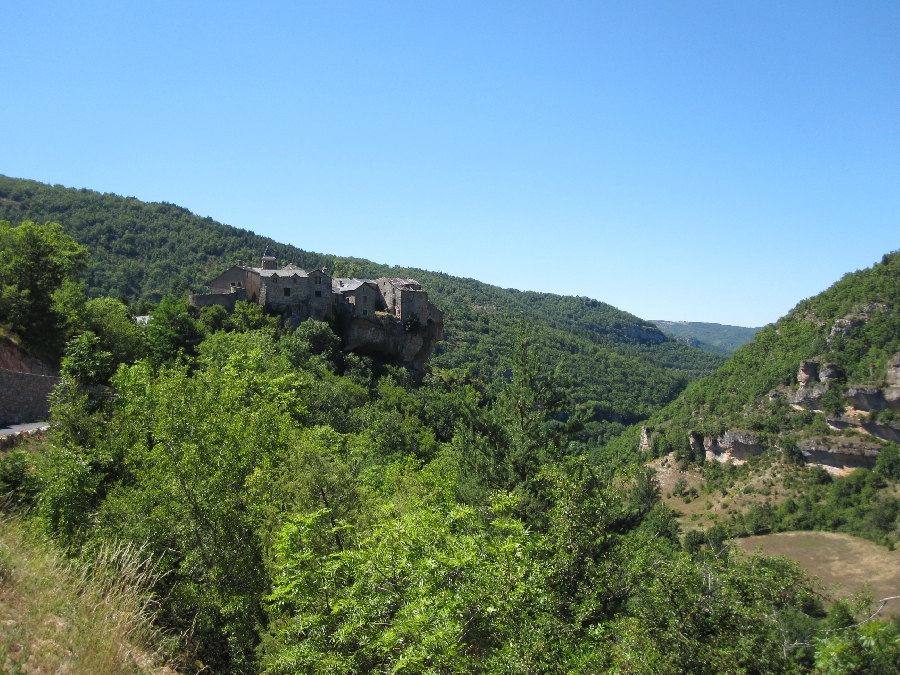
[229,279]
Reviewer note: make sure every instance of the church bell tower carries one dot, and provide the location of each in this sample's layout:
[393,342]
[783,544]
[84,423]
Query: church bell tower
[268,260]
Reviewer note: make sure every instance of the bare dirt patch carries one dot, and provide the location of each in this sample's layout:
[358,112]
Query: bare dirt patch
[844,564]
[699,507]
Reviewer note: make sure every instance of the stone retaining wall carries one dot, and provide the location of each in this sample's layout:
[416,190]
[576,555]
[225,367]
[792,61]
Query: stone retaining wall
[12,440]
[24,397]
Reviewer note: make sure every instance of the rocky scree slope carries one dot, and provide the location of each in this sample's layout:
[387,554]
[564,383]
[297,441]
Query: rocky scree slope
[823,382]
[622,367]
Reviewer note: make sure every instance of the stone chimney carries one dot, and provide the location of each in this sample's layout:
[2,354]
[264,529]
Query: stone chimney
[268,260]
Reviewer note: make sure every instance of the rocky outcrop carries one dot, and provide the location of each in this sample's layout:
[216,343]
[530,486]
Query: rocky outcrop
[840,452]
[645,443]
[869,398]
[893,371]
[886,430]
[732,446]
[711,447]
[810,391]
[829,371]
[740,444]
[843,327]
[889,431]
[808,396]
[385,337]
[645,334]
[695,440]
[808,372]
[866,398]
[835,452]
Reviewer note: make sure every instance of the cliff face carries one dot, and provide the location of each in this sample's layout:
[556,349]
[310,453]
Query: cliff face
[385,337]
[823,381]
[645,334]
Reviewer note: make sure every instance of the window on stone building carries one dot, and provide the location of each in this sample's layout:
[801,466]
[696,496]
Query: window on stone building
[287,292]
[365,312]
[318,294]
[365,298]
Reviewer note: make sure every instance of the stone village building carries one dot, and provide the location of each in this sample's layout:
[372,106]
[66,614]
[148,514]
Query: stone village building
[388,316]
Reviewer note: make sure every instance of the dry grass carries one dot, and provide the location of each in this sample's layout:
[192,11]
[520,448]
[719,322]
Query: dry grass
[59,617]
[843,564]
[763,486]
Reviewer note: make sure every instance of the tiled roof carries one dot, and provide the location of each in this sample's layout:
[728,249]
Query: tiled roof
[286,272]
[339,285]
[404,284]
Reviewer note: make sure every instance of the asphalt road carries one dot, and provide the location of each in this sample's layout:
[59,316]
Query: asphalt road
[14,428]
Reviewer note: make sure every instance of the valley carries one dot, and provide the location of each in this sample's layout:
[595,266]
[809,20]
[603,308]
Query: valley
[553,485]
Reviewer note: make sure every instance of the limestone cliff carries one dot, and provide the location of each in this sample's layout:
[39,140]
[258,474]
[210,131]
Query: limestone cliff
[385,337]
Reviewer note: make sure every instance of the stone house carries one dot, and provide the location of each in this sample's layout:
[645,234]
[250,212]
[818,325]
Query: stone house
[290,291]
[357,297]
[298,295]
[405,299]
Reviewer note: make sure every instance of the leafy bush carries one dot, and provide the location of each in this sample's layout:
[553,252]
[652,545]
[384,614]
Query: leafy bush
[888,462]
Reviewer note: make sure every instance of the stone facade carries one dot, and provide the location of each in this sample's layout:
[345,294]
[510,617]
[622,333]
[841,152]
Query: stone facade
[295,294]
[397,318]
[292,292]
[24,397]
[25,385]
[358,297]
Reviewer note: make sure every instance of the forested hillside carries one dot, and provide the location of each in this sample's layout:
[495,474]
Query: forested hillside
[622,368]
[291,508]
[820,387]
[851,330]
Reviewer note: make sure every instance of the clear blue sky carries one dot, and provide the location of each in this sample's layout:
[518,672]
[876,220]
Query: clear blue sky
[703,161]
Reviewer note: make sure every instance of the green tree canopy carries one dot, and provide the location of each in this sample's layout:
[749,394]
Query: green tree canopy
[39,266]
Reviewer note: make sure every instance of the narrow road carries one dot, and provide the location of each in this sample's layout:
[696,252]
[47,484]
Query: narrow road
[15,428]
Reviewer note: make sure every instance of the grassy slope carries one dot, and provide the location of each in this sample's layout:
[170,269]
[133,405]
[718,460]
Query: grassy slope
[842,563]
[714,337]
[142,250]
[55,618]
